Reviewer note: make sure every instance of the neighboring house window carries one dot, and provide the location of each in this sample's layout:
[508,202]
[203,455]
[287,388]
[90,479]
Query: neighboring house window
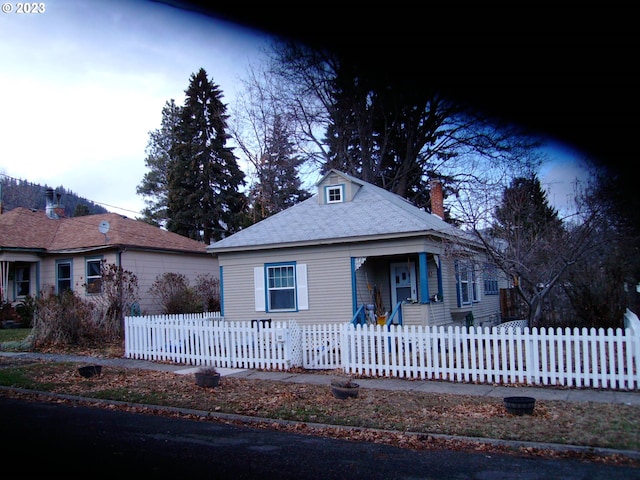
[63,275]
[94,275]
[281,287]
[490,279]
[466,283]
[23,273]
[335,194]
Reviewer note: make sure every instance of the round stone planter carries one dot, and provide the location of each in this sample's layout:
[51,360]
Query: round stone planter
[343,393]
[208,380]
[520,405]
[89,371]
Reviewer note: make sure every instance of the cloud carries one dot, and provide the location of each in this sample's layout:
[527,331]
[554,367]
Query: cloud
[84,87]
[565,170]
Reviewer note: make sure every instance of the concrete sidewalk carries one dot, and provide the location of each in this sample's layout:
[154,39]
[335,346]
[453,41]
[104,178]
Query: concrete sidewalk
[426,386]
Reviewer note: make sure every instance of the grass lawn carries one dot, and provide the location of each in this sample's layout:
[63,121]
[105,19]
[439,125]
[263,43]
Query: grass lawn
[14,334]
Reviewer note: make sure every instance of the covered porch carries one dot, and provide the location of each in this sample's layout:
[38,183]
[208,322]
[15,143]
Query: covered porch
[19,276]
[404,289]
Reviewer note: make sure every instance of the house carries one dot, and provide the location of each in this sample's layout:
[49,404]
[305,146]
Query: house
[42,251]
[355,252]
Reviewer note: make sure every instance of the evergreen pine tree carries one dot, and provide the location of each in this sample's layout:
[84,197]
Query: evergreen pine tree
[532,238]
[204,199]
[155,184]
[279,186]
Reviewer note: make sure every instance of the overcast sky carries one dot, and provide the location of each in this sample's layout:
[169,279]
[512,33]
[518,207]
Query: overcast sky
[84,82]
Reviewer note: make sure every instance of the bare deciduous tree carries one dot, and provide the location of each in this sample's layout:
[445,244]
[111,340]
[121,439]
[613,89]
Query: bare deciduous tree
[389,132]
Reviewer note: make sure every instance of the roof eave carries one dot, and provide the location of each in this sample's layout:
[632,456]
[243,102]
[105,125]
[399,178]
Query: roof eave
[124,247]
[326,241]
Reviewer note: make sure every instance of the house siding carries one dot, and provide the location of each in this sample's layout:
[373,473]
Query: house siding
[147,266]
[486,311]
[328,280]
[78,270]
[330,287]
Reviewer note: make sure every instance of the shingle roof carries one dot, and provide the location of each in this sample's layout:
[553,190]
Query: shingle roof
[32,229]
[372,212]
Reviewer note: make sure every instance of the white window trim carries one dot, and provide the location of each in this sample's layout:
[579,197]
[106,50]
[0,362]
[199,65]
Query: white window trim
[63,262]
[99,276]
[471,281]
[339,188]
[19,280]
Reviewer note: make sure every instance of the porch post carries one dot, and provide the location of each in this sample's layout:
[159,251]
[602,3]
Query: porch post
[423,275]
[4,281]
[354,293]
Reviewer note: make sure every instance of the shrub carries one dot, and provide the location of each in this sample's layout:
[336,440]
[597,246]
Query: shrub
[26,309]
[174,294]
[208,291]
[64,319]
[8,313]
[119,290]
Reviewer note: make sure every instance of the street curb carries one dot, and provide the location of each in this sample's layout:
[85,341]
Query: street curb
[249,420]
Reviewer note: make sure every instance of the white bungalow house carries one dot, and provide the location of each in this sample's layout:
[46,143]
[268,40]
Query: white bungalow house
[44,251]
[354,248]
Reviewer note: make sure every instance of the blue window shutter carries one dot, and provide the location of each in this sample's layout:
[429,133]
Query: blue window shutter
[258,282]
[301,287]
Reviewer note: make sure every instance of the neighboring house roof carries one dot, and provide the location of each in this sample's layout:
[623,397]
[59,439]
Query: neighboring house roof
[373,212]
[23,228]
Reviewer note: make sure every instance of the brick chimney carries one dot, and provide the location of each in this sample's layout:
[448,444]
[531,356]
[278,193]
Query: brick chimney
[437,198]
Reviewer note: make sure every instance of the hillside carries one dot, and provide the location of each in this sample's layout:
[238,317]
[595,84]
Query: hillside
[22,193]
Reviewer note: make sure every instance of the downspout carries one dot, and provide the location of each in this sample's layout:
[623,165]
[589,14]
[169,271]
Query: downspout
[221,270]
[439,268]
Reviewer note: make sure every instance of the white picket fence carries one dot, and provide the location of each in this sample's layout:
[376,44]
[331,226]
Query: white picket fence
[581,358]
[207,339]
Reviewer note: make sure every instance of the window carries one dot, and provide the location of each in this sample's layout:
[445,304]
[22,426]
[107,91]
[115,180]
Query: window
[23,273]
[63,275]
[466,283]
[334,194]
[490,279]
[281,287]
[94,275]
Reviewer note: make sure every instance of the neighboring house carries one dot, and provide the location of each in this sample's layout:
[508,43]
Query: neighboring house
[42,251]
[351,245]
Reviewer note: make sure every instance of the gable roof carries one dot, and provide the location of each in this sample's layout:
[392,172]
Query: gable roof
[22,228]
[372,213]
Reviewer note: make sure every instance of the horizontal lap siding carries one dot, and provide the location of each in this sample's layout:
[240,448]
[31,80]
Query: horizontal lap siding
[328,281]
[484,311]
[148,266]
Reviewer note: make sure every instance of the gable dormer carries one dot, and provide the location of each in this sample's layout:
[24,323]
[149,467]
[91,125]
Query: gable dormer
[337,187]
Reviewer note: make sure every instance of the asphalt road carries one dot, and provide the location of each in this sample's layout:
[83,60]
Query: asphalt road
[80,441]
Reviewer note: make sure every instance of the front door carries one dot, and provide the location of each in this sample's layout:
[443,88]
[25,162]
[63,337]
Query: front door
[403,282]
